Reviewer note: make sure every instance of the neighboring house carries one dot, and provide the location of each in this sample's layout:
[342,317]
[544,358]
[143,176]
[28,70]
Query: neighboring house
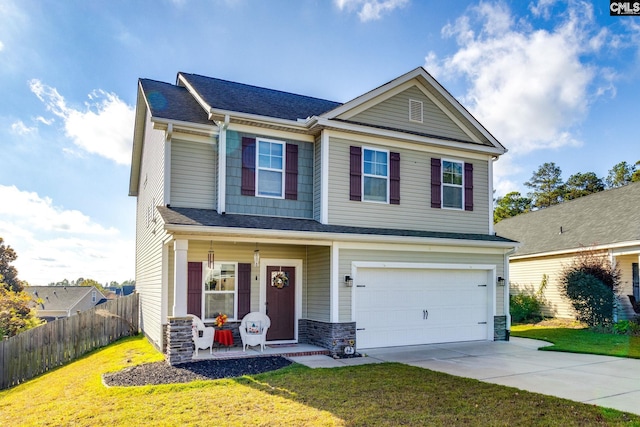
[366,223]
[606,222]
[53,302]
[120,291]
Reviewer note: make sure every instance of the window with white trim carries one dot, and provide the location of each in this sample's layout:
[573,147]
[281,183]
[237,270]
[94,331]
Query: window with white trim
[375,175]
[452,184]
[270,163]
[219,290]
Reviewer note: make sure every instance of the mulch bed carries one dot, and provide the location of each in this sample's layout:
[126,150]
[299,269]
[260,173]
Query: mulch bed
[162,373]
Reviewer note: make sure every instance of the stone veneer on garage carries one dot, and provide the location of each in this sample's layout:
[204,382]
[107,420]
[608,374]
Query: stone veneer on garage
[500,332]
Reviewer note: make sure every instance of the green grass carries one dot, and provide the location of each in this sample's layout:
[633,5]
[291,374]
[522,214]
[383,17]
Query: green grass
[581,340]
[370,395]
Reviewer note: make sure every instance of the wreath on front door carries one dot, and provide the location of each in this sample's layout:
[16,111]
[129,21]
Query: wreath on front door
[279,279]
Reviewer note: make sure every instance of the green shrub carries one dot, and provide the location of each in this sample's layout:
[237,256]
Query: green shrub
[591,282]
[593,301]
[627,327]
[525,308]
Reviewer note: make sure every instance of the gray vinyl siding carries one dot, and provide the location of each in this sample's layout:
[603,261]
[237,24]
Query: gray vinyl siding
[414,211]
[394,113]
[238,203]
[429,255]
[525,276]
[317,179]
[317,301]
[193,174]
[149,234]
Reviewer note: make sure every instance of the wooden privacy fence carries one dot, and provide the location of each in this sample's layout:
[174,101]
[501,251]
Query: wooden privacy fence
[55,343]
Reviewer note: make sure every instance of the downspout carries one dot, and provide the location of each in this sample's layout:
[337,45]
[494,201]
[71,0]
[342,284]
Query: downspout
[506,289]
[222,164]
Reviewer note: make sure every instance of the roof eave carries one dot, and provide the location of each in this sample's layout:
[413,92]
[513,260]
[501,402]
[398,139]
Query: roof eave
[297,124]
[609,246]
[332,236]
[321,122]
[138,136]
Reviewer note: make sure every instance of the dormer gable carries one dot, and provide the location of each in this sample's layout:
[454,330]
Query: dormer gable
[415,103]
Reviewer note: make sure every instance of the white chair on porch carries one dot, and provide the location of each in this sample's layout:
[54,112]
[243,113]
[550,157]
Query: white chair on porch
[202,335]
[253,330]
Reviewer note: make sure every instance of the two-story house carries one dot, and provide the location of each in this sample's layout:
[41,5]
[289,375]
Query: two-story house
[366,223]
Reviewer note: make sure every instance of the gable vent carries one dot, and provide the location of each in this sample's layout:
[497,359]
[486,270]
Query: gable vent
[415,111]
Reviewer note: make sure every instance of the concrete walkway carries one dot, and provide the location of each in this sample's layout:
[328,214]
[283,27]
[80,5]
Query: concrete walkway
[611,382]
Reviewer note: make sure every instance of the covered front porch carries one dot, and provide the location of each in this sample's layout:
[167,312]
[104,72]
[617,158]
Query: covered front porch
[288,281]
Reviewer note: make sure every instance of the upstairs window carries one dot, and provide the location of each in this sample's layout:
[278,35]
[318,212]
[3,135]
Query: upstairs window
[375,177]
[452,184]
[270,167]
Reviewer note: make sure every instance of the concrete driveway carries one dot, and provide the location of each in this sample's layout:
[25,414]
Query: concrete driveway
[598,380]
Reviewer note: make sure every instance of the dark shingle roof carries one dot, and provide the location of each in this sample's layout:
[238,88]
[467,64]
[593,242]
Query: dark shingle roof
[54,298]
[172,102]
[242,98]
[210,218]
[607,217]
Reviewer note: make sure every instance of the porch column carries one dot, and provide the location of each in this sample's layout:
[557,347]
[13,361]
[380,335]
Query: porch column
[334,291]
[180,248]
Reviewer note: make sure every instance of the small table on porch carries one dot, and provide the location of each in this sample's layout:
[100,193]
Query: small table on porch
[223,337]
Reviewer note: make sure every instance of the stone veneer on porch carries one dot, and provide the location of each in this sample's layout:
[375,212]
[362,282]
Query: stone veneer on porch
[332,336]
[179,348]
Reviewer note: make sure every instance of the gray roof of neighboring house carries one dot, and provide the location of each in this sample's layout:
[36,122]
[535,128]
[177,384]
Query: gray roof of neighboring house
[231,96]
[210,218]
[60,298]
[168,101]
[607,217]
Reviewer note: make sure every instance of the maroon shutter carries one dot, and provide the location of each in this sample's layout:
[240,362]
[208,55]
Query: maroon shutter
[291,173]
[248,166]
[394,176]
[244,290]
[436,182]
[355,174]
[468,186]
[194,288]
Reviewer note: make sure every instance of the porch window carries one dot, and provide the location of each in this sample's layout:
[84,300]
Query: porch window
[220,290]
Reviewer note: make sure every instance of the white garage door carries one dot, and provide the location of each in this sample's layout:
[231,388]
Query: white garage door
[400,306]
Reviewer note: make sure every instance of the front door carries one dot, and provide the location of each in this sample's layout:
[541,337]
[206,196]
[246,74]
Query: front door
[281,286]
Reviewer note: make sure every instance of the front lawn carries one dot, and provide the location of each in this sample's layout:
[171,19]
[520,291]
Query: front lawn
[581,340]
[379,394]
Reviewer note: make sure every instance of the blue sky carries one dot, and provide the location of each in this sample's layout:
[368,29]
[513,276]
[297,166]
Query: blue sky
[552,80]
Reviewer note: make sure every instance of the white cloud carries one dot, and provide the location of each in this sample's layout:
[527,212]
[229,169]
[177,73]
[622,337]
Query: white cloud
[104,127]
[1,46]
[54,243]
[528,87]
[21,129]
[370,10]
